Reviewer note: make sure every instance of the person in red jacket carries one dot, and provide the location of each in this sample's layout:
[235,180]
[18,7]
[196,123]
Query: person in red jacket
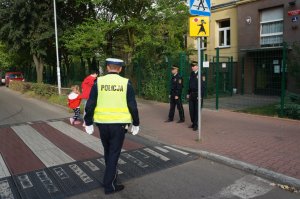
[86,87]
[74,100]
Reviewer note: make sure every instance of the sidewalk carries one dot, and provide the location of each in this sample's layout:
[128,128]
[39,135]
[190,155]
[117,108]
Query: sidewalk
[271,143]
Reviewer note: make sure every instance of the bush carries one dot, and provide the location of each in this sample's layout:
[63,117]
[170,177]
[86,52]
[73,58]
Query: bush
[291,107]
[40,89]
[43,90]
[290,110]
[19,86]
[154,87]
[295,98]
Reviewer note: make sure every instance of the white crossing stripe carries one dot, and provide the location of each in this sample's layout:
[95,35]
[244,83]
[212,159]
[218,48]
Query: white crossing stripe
[83,176]
[135,160]
[162,149]
[102,161]
[45,150]
[78,135]
[47,182]
[245,188]
[5,190]
[3,168]
[25,181]
[120,161]
[158,155]
[91,166]
[143,154]
[179,151]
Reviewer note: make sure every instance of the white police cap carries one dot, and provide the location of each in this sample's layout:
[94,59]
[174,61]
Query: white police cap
[114,61]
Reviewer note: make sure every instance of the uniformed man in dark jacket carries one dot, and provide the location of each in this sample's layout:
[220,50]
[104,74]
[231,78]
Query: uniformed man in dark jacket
[112,106]
[193,95]
[175,95]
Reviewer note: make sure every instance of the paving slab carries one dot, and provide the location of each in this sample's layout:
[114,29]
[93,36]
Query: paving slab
[270,143]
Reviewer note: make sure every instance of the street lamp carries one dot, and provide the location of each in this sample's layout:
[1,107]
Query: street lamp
[57,54]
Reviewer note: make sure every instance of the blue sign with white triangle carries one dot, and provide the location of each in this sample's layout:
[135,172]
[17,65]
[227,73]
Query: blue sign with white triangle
[200,7]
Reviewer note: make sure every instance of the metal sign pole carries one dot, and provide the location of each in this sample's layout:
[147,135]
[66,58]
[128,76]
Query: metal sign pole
[57,54]
[199,87]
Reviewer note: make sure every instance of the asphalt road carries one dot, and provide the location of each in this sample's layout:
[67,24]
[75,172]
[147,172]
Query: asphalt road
[200,179]
[196,179]
[15,108]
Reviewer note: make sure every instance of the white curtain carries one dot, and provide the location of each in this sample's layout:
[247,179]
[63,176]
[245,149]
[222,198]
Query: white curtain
[273,27]
[272,23]
[271,40]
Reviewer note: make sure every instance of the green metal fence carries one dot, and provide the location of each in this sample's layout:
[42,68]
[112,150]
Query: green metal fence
[261,80]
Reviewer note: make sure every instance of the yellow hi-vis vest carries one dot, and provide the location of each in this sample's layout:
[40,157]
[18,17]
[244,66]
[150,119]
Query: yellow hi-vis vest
[112,101]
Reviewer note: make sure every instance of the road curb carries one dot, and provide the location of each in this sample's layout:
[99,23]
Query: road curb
[250,168]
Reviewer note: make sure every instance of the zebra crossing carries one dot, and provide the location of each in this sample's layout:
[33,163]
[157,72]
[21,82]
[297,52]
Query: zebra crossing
[52,159]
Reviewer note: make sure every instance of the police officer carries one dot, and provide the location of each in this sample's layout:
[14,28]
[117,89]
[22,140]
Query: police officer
[113,107]
[175,95]
[193,95]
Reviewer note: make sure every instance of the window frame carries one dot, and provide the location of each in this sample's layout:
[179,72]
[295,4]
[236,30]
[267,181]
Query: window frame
[270,34]
[224,29]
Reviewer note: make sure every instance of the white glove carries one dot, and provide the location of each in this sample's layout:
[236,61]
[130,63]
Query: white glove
[89,129]
[135,129]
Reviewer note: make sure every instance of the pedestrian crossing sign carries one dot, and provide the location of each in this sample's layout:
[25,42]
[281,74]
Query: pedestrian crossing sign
[199,26]
[200,7]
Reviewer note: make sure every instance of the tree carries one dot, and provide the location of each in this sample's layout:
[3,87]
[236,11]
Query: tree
[28,25]
[144,24]
[87,40]
[5,58]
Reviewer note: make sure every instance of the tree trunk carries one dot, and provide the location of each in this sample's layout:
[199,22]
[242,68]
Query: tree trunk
[39,67]
[131,43]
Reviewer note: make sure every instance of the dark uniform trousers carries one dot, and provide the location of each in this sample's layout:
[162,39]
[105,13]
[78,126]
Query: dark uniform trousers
[112,137]
[193,107]
[173,103]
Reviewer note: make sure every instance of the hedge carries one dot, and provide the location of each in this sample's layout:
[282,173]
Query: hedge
[40,89]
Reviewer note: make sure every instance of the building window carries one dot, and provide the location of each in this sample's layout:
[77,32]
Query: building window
[271,27]
[224,33]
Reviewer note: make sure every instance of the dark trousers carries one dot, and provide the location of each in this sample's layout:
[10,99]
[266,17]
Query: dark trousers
[193,107]
[112,137]
[173,103]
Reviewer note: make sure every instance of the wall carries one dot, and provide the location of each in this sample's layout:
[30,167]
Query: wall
[249,34]
[227,12]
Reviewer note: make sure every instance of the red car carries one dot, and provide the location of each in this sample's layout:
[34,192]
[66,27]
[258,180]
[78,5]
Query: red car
[13,76]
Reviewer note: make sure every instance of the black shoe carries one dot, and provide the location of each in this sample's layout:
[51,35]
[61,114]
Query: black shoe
[191,126]
[117,189]
[180,121]
[195,128]
[169,120]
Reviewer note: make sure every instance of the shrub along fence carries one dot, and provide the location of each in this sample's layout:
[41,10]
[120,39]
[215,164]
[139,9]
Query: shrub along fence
[40,89]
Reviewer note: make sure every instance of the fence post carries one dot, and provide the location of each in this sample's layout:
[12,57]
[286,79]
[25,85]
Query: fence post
[139,76]
[206,78]
[217,78]
[183,73]
[283,73]
[231,75]
[243,76]
[169,65]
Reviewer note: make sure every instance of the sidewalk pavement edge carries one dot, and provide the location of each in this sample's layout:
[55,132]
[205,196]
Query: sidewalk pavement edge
[259,171]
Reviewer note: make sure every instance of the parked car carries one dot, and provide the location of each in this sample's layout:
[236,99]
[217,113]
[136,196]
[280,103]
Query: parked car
[13,76]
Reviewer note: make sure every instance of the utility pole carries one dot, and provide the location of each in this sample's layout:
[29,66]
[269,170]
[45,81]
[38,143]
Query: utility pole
[57,54]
